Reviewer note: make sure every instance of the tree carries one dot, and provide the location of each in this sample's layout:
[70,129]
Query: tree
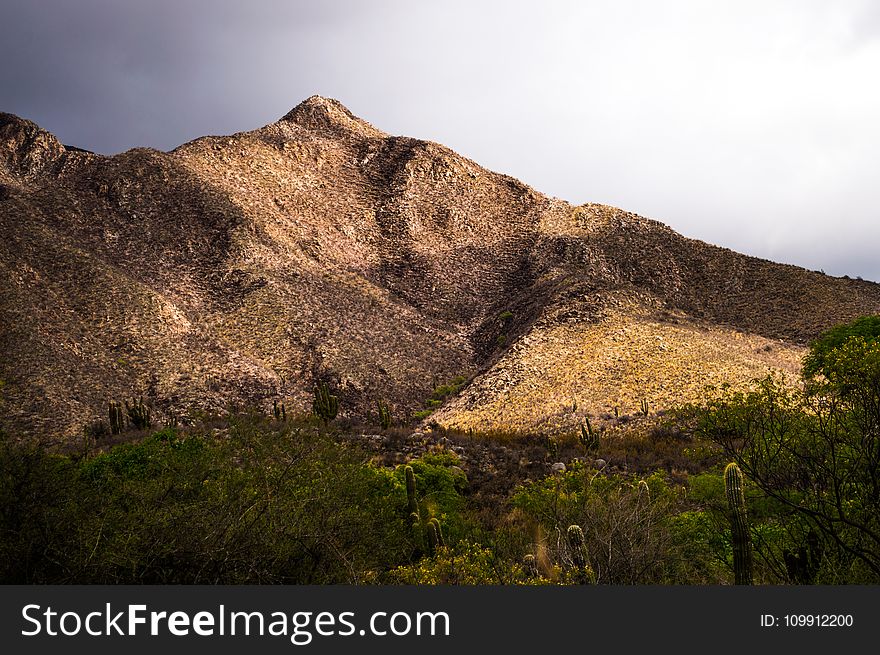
[867,327]
[816,452]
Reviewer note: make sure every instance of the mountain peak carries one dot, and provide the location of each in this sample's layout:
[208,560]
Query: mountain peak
[241,270]
[24,146]
[320,113]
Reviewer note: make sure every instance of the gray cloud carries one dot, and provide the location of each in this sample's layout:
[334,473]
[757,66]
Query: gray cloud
[748,124]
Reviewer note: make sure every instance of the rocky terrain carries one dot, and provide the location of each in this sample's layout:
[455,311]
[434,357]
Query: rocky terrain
[238,270]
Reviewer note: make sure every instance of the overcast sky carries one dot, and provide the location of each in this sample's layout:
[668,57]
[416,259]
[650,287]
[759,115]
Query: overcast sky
[752,124]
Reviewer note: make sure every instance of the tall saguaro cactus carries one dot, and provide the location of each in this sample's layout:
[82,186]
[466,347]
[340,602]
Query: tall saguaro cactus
[589,438]
[325,406]
[739,526]
[138,413]
[384,413]
[438,531]
[577,544]
[427,536]
[117,417]
[411,501]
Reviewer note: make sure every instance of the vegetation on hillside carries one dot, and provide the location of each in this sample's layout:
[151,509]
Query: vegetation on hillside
[780,484]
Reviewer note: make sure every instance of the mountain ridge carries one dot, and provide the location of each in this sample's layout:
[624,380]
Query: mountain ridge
[240,269]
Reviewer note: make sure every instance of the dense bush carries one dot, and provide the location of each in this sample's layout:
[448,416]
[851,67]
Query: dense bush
[261,503]
[253,500]
[625,521]
[866,327]
[465,564]
[814,455]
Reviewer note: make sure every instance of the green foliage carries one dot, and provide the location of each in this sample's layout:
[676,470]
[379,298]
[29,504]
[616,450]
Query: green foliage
[701,542]
[739,526]
[466,563]
[440,395]
[866,327]
[277,501]
[435,487]
[705,537]
[440,481]
[629,534]
[813,455]
[268,503]
[37,490]
[325,405]
[852,377]
[444,391]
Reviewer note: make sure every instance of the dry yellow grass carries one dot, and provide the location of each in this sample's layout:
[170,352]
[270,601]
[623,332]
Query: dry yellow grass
[628,356]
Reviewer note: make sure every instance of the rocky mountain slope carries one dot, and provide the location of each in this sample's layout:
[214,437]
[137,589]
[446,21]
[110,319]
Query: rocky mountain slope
[236,270]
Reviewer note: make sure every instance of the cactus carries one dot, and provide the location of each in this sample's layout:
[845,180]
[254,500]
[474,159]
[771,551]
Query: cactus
[384,414]
[578,546]
[438,531]
[325,406]
[530,565]
[616,412]
[411,490]
[415,524]
[421,536]
[589,439]
[803,565]
[552,447]
[138,414]
[429,537]
[433,537]
[644,406]
[117,418]
[278,411]
[739,527]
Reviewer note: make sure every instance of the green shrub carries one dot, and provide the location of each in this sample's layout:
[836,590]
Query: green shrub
[440,486]
[439,396]
[866,327]
[464,564]
[812,454]
[626,521]
[268,503]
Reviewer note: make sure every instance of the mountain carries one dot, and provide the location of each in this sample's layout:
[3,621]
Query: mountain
[237,270]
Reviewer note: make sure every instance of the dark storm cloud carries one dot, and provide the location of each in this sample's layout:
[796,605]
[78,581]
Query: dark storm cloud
[749,124]
[109,75]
